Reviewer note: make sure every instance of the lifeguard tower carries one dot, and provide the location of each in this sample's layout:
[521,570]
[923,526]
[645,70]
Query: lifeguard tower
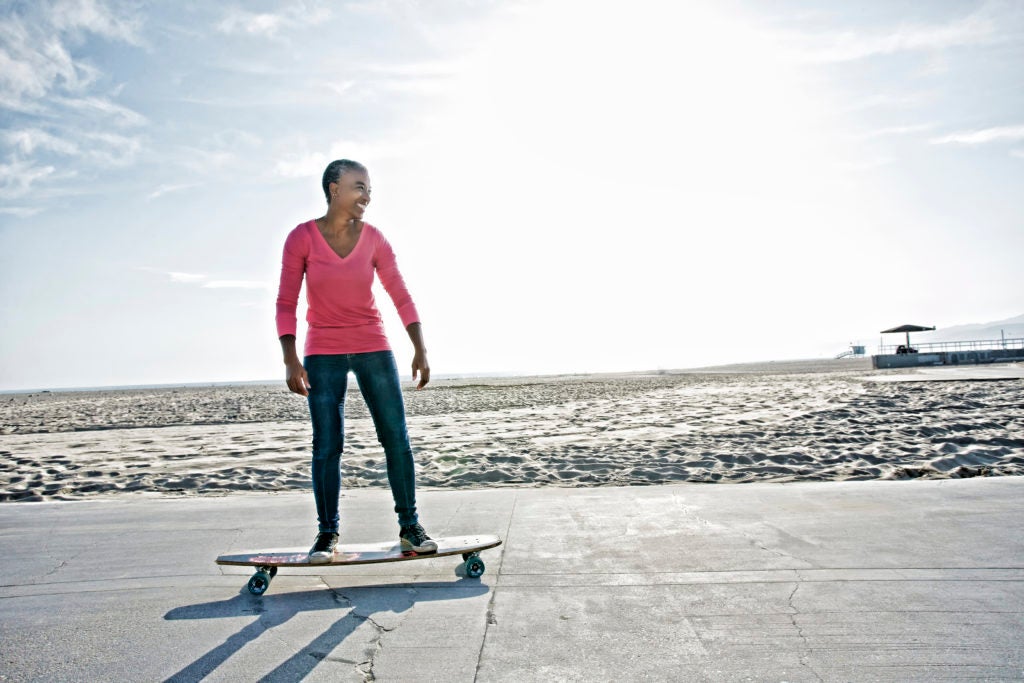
[855,351]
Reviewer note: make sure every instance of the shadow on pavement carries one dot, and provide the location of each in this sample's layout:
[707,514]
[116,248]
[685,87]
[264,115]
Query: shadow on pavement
[362,604]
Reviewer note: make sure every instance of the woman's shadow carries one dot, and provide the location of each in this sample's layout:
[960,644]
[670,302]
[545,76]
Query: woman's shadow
[362,605]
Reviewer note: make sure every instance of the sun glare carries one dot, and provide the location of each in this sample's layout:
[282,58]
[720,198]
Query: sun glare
[628,164]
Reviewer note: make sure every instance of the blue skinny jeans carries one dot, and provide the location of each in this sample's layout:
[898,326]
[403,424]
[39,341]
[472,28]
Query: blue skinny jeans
[377,376]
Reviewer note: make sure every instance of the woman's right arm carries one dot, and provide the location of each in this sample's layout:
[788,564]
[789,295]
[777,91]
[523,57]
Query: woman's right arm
[295,374]
[293,268]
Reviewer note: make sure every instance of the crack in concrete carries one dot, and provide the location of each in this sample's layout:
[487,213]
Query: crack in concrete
[365,667]
[805,657]
[45,549]
[63,563]
[757,542]
[377,645]
[56,569]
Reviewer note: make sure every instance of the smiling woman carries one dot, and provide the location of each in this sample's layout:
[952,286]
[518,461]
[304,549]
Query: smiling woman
[338,255]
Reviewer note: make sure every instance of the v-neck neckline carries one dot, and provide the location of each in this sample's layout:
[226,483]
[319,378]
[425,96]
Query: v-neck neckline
[346,257]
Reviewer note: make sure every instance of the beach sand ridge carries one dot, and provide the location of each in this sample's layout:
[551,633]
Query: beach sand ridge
[629,429]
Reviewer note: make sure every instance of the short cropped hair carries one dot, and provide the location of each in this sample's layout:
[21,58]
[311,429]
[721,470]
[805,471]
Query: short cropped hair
[335,170]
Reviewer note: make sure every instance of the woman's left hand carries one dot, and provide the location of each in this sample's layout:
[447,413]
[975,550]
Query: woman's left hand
[420,368]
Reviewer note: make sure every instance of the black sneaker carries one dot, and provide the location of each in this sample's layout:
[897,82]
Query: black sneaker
[414,538]
[323,550]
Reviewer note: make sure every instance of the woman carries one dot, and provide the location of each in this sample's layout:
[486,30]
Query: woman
[338,255]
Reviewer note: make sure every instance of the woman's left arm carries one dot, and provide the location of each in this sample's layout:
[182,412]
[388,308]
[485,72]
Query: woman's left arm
[420,366]
[387,270]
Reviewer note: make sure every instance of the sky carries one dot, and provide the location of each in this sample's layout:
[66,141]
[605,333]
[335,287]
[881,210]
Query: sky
[569,186]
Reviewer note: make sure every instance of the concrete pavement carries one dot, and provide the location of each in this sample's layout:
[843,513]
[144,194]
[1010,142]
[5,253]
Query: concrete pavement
[855,581]
[953,373]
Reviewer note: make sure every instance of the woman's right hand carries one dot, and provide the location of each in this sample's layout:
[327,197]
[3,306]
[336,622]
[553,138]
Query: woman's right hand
[297,379]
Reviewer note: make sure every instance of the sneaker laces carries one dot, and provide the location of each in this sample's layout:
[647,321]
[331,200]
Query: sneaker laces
[323,542]
[417,532]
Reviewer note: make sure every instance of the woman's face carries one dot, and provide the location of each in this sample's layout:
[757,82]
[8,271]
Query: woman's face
[351,193]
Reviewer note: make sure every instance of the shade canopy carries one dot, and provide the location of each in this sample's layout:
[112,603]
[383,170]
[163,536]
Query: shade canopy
[909,328]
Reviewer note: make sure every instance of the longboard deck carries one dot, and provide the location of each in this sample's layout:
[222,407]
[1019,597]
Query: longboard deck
[362,553]
[267,561]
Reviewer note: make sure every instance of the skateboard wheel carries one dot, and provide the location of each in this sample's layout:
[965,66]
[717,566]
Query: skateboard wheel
[474,567]
[259,583]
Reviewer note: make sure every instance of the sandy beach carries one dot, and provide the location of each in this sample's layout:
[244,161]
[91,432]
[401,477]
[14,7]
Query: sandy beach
[773,422]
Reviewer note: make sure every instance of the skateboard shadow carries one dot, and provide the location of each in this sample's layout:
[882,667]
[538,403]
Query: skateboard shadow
[362,604]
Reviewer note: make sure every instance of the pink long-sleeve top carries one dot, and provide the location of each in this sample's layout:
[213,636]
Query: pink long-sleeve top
[342,314]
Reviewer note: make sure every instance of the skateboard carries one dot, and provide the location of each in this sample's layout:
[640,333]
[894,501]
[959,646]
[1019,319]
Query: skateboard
[268,561]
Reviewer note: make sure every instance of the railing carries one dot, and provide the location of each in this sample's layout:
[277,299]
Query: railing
[979,345]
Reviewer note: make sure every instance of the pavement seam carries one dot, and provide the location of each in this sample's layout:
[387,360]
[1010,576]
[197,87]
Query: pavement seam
[491,619]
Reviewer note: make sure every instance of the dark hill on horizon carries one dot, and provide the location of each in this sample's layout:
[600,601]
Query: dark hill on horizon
[1011,328]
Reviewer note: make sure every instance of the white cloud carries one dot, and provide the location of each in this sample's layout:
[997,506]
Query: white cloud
[35,61]
[31,146]
[89,106]
[898,130]
[44,76]
[430,68]
[845,46]
[239,21]
[237,284]
[377,81]
[234,139]
[225,150]
[306,163]
[206,282]
[422,77]
[20,211]
[95,17]
[111,149]
[184,277]
[174,276]
[1017,153]
[338,88]
[980,137]
[200,160]
[167,189]
[18,176]
[32,64]
[902,101]
[29,140]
